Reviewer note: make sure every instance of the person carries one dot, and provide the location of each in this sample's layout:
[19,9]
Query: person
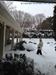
[40,45]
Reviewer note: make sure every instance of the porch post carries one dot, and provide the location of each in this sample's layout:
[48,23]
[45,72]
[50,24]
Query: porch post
[2,39]
[12,44]
[17,37]
[20,38]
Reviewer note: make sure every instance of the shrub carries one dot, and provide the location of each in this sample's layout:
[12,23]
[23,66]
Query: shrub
[17,65]
[19,45]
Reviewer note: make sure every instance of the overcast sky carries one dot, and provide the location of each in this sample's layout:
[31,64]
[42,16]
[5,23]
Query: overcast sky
[35,8]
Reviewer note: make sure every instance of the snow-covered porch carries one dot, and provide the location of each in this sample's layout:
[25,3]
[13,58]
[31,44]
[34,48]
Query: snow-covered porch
[7,21]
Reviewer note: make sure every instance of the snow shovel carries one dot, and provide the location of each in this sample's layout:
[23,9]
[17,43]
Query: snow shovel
[44,52]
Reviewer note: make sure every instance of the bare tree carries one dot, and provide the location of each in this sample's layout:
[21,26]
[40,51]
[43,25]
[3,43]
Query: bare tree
[22,18]
[9,5]
[25,20]
[19,16]
[39,18]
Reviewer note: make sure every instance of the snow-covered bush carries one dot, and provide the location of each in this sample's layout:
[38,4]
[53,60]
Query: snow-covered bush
[32,42]
[48,42]
[9,56]
[55,48]
[29,46]
[25,35]
[22,45]
[19,65]
[19,45]
[55,66]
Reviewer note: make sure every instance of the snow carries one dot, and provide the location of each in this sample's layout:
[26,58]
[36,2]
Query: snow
[43,63]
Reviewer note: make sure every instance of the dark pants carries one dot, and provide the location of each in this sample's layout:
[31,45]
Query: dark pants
[39,51]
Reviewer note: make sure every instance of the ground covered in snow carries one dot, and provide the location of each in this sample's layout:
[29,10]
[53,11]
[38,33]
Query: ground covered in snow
[46,63]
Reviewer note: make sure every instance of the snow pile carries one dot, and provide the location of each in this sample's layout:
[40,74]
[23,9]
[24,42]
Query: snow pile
[29,46]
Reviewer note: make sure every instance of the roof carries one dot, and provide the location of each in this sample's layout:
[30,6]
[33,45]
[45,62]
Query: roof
[45,0]
[40,0]
[7,18]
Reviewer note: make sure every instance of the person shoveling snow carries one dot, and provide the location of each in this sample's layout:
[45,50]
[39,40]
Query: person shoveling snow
[40,45]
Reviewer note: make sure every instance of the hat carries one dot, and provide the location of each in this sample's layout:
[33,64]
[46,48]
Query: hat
[40,39]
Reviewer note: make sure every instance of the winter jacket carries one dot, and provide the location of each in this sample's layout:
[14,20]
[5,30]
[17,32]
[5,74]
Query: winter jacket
[40,45]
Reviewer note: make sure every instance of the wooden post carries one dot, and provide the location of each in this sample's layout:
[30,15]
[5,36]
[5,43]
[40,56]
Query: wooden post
[20,38]
[17,37]
[12,44]
[2,39]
